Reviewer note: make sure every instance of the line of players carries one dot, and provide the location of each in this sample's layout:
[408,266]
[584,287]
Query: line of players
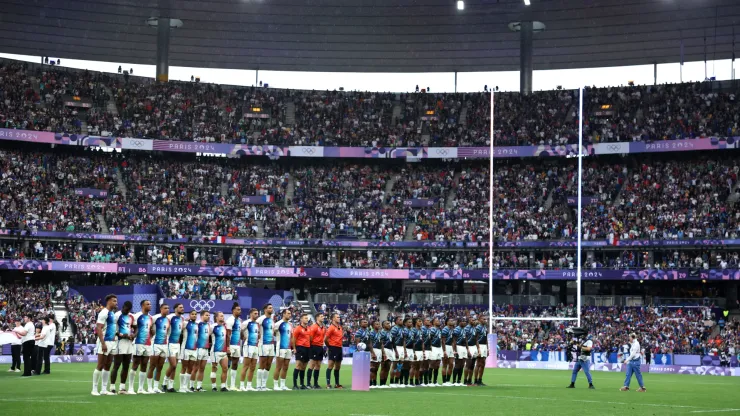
[415,346]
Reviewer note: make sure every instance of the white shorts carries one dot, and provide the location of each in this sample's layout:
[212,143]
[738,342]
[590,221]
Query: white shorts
[378,355]
[450,352]
[462,352]
[110,348]
[125,347]
[201,354]
[142,350]
[161,350]
[250,351]
[390,354]
[189,355]
[483,351]
[419,356]
[284,354]
[436,354]
[400,355]
[267,350]
[473,352]
[235,351]
[173,350]
[219,355]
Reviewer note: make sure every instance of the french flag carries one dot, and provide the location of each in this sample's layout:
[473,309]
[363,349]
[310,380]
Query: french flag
[270,198]
[217,239]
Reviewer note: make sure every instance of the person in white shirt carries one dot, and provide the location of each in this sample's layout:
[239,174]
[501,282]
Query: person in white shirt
[27,343]
[41,345]
[15,349]
[51,337]
[633,365]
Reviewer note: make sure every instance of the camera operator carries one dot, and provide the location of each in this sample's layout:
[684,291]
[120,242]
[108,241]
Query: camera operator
[583,362]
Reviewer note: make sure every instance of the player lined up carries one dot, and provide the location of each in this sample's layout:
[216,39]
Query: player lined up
[410,352]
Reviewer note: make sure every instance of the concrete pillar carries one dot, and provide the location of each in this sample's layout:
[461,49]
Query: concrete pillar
[163,49]
[526,34]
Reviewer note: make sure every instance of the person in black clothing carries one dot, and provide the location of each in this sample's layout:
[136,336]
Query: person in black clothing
[27,345]
[647,356]
[71,343]
[15,351]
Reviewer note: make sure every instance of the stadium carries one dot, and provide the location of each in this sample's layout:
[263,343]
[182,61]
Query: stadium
[388,208]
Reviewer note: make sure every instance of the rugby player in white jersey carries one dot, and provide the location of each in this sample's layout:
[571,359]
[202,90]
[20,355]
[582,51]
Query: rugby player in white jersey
[221,348]
[266,348]
[284,345]
[233,331]
[177,322]
[251,335]
[188,356]
[125,347]
[106,345]
[161,332]
[142,346]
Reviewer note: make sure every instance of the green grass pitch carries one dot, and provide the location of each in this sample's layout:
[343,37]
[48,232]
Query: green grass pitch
[510,392]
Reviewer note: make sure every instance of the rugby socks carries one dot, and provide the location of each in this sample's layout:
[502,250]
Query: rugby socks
[302,374]
[96,379]
[149,382]
[106,380]
[328,376]
[316,378]
[405,376]
[142,380]
[295,377]
[310,374]
[131,378]
[233,379]
[436,374]
[336,377]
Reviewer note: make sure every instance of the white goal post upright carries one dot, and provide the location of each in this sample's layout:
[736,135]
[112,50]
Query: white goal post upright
[490,225]
[580,156]
[580,219]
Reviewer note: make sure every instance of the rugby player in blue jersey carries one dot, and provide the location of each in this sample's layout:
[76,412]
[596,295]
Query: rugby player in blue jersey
[251,334]
[266,348]
[221,348]
[284,345]
[142,346]
[177,322]
[125,347]
[202,350]
[233,330]
[448,352]
[160,331]
[189,353]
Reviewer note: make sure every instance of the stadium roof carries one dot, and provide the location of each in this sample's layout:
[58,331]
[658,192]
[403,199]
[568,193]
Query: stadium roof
[373,35]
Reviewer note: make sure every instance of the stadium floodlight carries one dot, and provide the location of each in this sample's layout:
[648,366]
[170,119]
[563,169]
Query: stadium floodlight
[527,2]
[460,5]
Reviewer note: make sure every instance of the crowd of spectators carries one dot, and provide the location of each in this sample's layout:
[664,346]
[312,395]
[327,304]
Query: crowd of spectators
[17,300]
[82,317]
[32,98]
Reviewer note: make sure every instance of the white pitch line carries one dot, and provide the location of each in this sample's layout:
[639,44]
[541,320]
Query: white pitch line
[45,401]
[716,411]
[552,399]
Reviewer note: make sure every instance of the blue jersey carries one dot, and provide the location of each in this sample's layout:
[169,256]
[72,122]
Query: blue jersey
[124,322]
[397,335]
[204,336]
[385,339]
[459,334]
[362,335]
[176,323]
[219,339]
[143,329]
[191,335]
[234,324]
[108,320]
[470,334]
[267,334]
[409,335]
[435,337]
[425,338]
[374,337]
[284,331]
[482,334]
[161,329]
[447,335]
[418,340]
[251,333]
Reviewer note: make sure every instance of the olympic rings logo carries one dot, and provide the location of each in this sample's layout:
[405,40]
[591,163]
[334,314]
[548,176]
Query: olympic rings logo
[307,150]
[201,305]
[614,147]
